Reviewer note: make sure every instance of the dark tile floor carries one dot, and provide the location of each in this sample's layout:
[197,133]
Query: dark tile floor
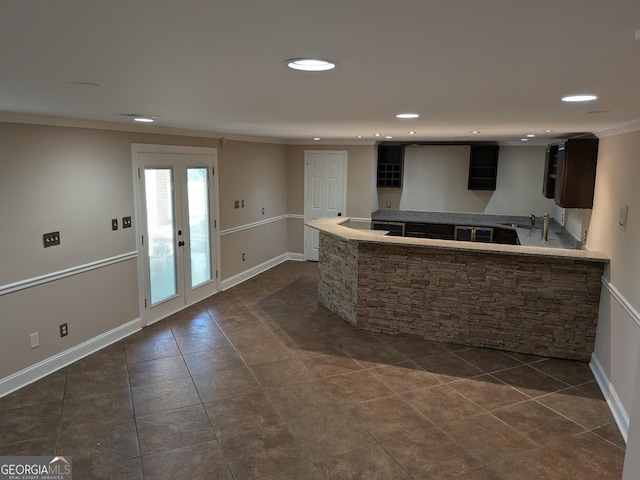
[262,382]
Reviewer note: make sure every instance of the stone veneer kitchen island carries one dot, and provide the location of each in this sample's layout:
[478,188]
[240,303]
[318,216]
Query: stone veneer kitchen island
[532,300]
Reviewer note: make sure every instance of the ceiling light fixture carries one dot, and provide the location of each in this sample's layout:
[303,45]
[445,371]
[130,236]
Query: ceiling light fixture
[579,98]
[530,135]
[377,134]
[547,131]
[411,133]
[475,132]
[358,136]
[141,117]
[388,136]
[407,115]
[310,64]
[316,138]
[524,139]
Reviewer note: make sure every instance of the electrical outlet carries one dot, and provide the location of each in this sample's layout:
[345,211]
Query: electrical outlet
[263,210]
[242,203]
[388,204]
[126,222]
[243,257]
[237,204]
[64,330]
[114,224]
[51,239]
[35,340]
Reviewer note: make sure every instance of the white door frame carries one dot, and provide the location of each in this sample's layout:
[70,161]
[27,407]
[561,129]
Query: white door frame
[308,231]
[140,218]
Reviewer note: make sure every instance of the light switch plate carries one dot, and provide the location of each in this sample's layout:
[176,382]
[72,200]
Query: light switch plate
[51,239]
[126,222]
[622,216]
[114,224]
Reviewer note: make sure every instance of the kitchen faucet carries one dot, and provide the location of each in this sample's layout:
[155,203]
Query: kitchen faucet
[532,218]
[545,227]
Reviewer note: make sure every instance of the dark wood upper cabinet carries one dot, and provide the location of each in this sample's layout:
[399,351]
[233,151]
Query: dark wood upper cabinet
[390,164]
[576,173]
[483,167]
[550,171]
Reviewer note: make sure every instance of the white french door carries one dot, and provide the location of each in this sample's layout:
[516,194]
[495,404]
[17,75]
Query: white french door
[325,177]
[176,217]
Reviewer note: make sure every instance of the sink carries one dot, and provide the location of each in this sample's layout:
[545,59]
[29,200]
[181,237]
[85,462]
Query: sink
[516,225]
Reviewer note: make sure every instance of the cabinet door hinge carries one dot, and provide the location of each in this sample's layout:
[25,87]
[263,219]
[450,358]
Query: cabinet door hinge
[145,303]
[213,171]
[138,173]
[215,224]
[216,273]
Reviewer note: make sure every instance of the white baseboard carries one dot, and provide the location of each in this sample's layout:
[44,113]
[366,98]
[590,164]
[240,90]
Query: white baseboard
[45,367]
[615,405]
[258,269]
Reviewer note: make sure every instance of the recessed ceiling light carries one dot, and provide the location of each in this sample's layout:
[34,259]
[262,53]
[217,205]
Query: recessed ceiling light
[530,135]
[316,138]
[475,132]
[547,131]
[358,136]
[408,115]
[310,64]
[388,136]
[524,139]
[141,117]
[411,133]
[579,98]
[377,134]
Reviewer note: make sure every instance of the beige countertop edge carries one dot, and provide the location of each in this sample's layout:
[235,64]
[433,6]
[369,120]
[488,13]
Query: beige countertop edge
[335,226]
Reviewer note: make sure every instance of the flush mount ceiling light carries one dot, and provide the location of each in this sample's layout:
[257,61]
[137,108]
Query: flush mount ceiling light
[411,133]
[475,132]
[310,64]
[377,134]
[407,115]
[140,117]
[579,98]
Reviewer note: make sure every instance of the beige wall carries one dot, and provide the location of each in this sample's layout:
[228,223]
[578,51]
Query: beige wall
[618,329]
[75,180]
[435,179]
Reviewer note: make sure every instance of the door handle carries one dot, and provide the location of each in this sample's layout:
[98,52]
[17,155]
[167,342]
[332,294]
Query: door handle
[181,243]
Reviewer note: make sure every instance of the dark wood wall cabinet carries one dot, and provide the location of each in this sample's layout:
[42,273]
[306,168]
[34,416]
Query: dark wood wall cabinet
[483,167]
[570,172]
[390,163]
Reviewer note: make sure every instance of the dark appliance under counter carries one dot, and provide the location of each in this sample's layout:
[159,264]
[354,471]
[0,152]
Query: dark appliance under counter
[474,234]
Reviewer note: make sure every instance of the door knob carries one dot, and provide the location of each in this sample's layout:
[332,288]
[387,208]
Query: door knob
[181,243]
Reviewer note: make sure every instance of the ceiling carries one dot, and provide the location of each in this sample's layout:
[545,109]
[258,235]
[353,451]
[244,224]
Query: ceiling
[498,67]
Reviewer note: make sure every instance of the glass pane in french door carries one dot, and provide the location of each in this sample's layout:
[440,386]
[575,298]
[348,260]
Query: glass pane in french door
[160,223]
[199,231]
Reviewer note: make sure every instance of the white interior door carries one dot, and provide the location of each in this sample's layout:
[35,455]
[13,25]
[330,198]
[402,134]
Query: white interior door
[176,218]
[325,192]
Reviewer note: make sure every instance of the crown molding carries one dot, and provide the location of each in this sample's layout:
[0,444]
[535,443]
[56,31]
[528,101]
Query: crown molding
[53,121]
[631,127]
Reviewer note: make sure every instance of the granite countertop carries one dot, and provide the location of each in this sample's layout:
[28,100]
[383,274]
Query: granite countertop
[558,237]
[339,226]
